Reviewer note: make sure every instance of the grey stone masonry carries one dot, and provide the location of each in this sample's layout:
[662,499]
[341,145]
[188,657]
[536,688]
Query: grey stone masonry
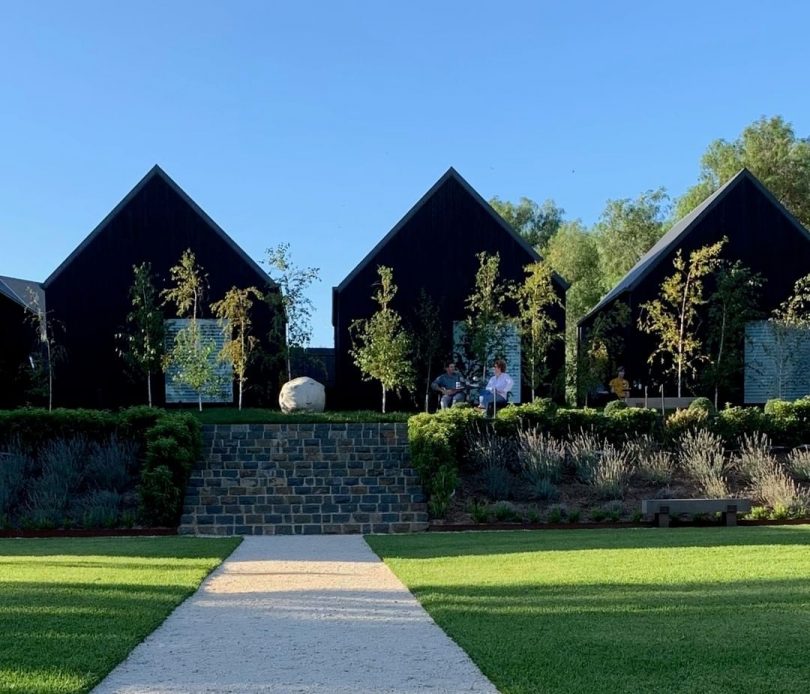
[273,479]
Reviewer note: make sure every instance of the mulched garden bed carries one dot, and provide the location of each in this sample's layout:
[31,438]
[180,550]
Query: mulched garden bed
[89,532]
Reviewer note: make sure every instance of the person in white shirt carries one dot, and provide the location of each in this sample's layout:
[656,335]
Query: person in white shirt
[498,387]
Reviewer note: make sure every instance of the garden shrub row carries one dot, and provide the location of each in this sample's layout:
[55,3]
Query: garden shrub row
[91,468]
[438,442]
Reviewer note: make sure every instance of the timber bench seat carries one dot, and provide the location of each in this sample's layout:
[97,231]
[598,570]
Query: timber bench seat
[652,402]
[662,509]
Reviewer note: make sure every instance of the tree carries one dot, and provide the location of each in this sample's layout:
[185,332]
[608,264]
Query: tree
[535,223]
[233,312]
[673,317]
[296,306]
[795,310]
[733,304]
[143,342]
[600,348]
[573,254]
[789,322]
[427,336]
[52,352]
[194,358]
[486,325]
[628,229]
[381,348]
[535,297]
[769,149]
[190,283]
[191,355]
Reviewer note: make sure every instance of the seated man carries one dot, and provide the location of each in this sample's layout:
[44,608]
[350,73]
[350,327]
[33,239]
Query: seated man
[498,388]
[449,385]
[619,385]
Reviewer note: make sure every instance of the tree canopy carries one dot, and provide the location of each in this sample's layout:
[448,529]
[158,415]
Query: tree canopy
[535,223]
[628,229]
[769,149]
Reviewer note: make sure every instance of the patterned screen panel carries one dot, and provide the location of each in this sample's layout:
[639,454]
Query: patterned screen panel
[511,355]
[210,332]
[777,362]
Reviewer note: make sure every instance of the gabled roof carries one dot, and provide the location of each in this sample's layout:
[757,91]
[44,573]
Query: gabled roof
[157,172]
[23,292]
[451,173]
[681,229]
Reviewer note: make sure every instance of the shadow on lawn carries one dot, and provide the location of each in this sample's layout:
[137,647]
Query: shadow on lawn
[438,545]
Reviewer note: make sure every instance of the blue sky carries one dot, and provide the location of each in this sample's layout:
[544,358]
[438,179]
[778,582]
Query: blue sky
[321,123]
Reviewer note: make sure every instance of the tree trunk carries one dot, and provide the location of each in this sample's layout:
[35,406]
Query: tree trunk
[383,399]
[240,394]
[199,400]
[149,387]
[719,360]
[427,383]
[50,375]
[287,347]
[682,328]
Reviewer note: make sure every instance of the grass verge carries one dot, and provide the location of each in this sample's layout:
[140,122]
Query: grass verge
[640,610]
[72,609]
[228,415]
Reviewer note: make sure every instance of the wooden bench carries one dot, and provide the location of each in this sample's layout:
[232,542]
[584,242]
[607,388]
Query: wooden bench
[653,402]
[662,509]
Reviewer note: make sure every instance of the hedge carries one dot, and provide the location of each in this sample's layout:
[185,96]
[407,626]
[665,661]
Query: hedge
[94,468]
[438,442]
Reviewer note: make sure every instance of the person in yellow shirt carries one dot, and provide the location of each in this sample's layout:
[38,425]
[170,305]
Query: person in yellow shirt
[620,386]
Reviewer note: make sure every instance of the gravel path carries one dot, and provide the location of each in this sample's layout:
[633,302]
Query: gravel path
[314,614]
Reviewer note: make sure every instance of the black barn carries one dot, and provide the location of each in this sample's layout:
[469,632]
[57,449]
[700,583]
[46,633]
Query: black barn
[432,248]
[761,233]
[88,294]
[19,302]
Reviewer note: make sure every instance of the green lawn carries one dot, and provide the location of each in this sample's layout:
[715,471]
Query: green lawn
[637,610]
[256,415]
[71,609]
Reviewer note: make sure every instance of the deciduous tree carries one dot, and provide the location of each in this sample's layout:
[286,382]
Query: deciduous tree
[790,322]
[381,348]
[142,343]
[428,339]
[486,325]
[51,351]
[734,303]
[600,348]
[535,298]
[296,306]
[233,312]
[673,317]
[192,356]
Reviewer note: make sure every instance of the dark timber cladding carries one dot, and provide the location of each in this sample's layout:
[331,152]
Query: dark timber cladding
[19,339]
[433,248]
[88,295]
[761,233]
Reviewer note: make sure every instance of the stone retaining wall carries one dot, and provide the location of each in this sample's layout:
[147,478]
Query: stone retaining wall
[265,479]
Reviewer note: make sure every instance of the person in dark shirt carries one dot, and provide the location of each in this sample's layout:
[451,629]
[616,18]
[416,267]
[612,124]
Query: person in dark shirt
[449,384]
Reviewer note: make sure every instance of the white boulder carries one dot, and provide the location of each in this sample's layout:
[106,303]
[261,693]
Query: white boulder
[302,394]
